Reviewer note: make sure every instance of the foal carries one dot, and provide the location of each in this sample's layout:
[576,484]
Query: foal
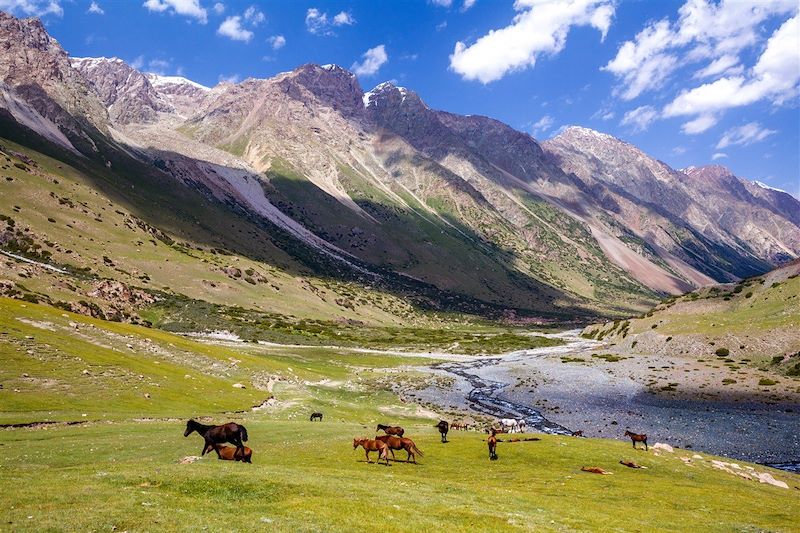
[635,437]
[226,453]
[373,446]
[492,442]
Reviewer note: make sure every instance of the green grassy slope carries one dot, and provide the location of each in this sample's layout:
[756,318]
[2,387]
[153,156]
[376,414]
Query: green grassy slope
[757,318]
[118,472]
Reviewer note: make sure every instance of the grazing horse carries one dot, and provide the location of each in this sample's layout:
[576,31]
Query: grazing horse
[226,453]
[443,428]
[401,443]
[522,425]
[397,431]
[492,442]
[635,437]
[316,416]
[509,425]
[373,446]
[230,432]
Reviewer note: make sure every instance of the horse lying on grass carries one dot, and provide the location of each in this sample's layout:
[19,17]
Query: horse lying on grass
[373,446]
[226,453]
[401,443]
[213,435]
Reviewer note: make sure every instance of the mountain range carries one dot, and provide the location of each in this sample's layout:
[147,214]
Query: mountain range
[311,176]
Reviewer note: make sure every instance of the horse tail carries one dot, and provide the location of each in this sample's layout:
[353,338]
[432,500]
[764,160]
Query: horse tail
[417,450]
[243,431]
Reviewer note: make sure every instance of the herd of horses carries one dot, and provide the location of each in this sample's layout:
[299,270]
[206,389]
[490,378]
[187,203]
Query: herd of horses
[215,437]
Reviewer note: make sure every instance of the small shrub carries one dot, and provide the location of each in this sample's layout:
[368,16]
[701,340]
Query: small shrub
[748,295]
[634,343]
[766,382]
[722,352]
[728,381]
[737,289]
[669,339]
[654,326]
[777,359]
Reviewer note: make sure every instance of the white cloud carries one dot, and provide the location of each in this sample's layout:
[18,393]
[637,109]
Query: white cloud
[233,78]
[187,8]
[640,118]
[539,27]
[219,8]
[32,8]
[679,150]
[137,63]
[542,125]
[343,18]
[706,30]
[719,155]
[441,3]
[373,59]
[774,77]
[277,42]
[254,16]
[318,22]
[744,135]
[95,8]
[699,125]
[232,28]
[467,4]
[158,66]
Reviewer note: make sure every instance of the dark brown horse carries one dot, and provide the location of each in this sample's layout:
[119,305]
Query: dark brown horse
[226,453]
[397,431]
[316,416]
[492,442]
[635,437]
[401,443]
[443,428]
[230,432]
[373,446]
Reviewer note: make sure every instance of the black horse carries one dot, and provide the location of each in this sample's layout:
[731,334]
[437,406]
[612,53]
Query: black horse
[316,416]
[213,435]
[443,428]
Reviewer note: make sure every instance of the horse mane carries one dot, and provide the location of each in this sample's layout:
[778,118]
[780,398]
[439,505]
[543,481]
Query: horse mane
[198,427]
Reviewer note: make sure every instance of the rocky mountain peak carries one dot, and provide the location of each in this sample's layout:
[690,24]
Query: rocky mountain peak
[387,94]
[128,94]
[332,85]
[38,70]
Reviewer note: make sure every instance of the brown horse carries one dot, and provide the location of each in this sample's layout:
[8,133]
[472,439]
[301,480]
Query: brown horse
[226,453]
[316,416]
[492,442]
[401,443]
[635,437]
[373,446]
[230,432]
[397,431]
[443,428]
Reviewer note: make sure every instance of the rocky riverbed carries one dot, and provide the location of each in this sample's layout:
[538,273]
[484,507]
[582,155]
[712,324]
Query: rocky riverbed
[564,389]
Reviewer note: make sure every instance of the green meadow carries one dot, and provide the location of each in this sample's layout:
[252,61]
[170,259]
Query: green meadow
[120,469]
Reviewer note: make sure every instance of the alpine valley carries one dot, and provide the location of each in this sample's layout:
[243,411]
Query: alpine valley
[174,250]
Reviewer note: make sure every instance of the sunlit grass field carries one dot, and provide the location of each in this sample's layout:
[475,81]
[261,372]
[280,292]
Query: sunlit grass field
[121,470]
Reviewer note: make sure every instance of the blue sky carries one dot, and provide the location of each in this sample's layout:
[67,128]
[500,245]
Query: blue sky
[691,82]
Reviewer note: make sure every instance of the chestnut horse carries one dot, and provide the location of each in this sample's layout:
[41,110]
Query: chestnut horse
[230,432]
[226,453]
[401,443]
[492,442]
[397,431]
[373,446]
[443,427]
[635,437]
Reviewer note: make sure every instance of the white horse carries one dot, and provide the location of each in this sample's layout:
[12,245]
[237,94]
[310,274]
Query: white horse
[509,425]
[522,425]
